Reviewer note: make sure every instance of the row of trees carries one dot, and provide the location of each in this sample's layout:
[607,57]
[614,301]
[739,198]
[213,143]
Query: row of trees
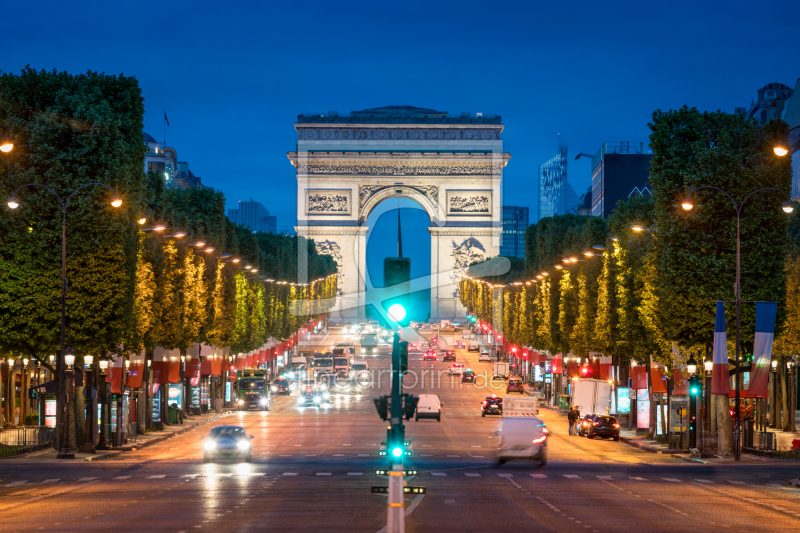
[128,289]
[649,289]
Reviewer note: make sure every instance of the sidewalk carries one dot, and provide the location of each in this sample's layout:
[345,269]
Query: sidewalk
[148,439]
[784,438]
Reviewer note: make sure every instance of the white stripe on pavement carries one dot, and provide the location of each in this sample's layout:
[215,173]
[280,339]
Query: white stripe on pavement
[157,476]
[442,474]
[538,476]
[571,476]
[672,479]
[290,473]
[128,477]
[736,482]
[471,474]
[355,473]
[704,481]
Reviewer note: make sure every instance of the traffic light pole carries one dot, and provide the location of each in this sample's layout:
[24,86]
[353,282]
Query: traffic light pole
[395,518]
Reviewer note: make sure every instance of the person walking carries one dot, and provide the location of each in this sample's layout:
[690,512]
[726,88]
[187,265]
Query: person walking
[571,419]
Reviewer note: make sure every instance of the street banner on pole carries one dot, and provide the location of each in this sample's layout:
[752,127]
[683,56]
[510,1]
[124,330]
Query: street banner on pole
[136,370]
[160,365]
[762,348]
[174,367]
[638,376]
[115,374]
[606,372]
[720,377]
[658,379]
[556,367]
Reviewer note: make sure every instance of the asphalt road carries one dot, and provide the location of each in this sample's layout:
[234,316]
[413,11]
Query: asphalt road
[312,471]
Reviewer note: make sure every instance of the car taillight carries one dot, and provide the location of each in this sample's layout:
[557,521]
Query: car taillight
[540,439]
[616,426]
[596,424]
[484,403]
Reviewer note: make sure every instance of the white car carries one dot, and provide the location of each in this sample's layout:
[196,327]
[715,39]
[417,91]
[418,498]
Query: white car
[485,356]
[523,439]
[428,406]
[456,368]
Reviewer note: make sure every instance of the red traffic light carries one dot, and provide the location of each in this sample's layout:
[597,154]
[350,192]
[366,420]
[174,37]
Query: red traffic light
[232,368]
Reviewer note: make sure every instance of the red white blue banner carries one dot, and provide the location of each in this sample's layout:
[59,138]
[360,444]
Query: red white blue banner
[762,348]
[720,377]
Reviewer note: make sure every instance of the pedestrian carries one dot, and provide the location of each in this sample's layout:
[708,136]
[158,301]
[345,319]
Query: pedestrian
[571,419]
[577,421]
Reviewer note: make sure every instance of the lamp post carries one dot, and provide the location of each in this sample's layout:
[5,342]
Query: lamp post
[787,207]
[88,395]
[102,443]
[68,355]
[65,452]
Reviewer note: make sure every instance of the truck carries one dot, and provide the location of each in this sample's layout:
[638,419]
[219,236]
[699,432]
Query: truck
[369,344]
[252,392]
[298,369]
[591,396]
[500,369]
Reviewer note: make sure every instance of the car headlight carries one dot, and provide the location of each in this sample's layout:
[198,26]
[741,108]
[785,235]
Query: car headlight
[241,402]
[316,399]
[210,445]
[326,395]
[274,388]
[243,445]
[264,401]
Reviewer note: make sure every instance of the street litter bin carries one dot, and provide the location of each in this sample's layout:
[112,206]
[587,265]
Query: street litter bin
[563,402]
[174,415]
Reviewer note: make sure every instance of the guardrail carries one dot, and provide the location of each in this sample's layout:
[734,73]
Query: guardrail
[27,436]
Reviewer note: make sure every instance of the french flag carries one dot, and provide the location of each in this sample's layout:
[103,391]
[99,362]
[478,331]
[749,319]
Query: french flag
[762,348]
[720,377]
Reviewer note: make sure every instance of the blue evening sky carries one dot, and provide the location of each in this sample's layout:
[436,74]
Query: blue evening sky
[233,76]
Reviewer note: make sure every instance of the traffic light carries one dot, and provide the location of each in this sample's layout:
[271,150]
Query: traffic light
[397,270]
[695,386]
[410,405]
[382,405]
[403,357]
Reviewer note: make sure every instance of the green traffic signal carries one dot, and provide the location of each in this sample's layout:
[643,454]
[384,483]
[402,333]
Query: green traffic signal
[397,451]
[397,312]
[694,391]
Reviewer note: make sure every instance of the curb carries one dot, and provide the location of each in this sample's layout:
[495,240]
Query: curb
[689,459]
[152,441]
[635,443]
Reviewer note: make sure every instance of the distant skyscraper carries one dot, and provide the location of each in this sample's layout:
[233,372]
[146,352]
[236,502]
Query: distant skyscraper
[556,195]
[515,222]
[619,170]
[255,216]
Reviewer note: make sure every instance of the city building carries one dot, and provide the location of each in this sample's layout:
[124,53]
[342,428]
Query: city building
[163,160]
[619,170]
[515,222]
[556,195]
[585,205]
[791,115]
[287,230]
[772,99]
[255,216]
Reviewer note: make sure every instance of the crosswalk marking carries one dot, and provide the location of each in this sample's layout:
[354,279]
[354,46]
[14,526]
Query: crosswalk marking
[87,478]
[736,482]
[538,476]
[671,479]
[17,483]
[704,481]
[442,474]
[157,476]
[323,473]
[638,478]
[128,477]
[355,473]
[187,475]
[290,473]
[51,480]
[604,477]
[453,456]
[571,476]
[471,474]
[506,475]
[338,455]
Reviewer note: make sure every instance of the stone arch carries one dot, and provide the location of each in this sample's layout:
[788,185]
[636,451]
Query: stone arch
[415,193]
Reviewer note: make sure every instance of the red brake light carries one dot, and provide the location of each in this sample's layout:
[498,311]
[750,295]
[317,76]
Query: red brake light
[596,424]
[540,439]
[616,425]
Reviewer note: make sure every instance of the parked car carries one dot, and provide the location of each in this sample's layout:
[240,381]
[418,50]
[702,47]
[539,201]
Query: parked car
[603,426]
[428,406]
[492,405]
[584,424]
[514,384]
[449,355]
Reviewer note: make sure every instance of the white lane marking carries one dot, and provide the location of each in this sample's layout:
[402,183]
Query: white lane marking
[471,474]
[506,475]
[355,473]
[338,455]
[290,473]
[323,473]
[668,507]
[440,474]
[126,477]
[704,481]
[671,479]
[453,456]
[603,477]
[187,475]
[16,483]
[571,476]
[638,478]
[158,476]
[538,476]
[736,482]
[52,480]
[86,479]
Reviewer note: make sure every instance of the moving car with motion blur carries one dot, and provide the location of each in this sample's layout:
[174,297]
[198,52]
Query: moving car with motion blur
[603,426]
[429,355]
[523,435]
[492,405]
[227,442]
[514,384]
[468,376]
[449,355]
[456,369]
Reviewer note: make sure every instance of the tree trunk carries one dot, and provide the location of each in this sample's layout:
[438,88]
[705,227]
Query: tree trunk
[713,426]
[9,397]
[787,413]
[663,416]
[79,415]
[792,399]
[724,425]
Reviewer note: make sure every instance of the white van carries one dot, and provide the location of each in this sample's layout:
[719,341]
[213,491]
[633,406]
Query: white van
[474,346]
[429,406]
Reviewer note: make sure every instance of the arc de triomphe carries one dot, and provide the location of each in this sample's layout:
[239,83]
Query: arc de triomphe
[451,166]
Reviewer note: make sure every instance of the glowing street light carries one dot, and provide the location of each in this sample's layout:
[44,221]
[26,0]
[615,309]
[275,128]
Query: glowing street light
[780,148]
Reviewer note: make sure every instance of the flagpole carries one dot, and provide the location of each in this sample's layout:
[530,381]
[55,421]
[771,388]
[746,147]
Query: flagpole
[165,127]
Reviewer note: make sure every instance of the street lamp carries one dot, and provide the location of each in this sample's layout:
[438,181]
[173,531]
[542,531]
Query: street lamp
[6,145]
[691,365]
[780,148]
[65,452]
[788,207]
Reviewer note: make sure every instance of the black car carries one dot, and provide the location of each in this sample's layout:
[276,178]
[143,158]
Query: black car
[281,386]
[492,405]
[603,426]
[449,355]
[227,442]
[468,377]
[584,423]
